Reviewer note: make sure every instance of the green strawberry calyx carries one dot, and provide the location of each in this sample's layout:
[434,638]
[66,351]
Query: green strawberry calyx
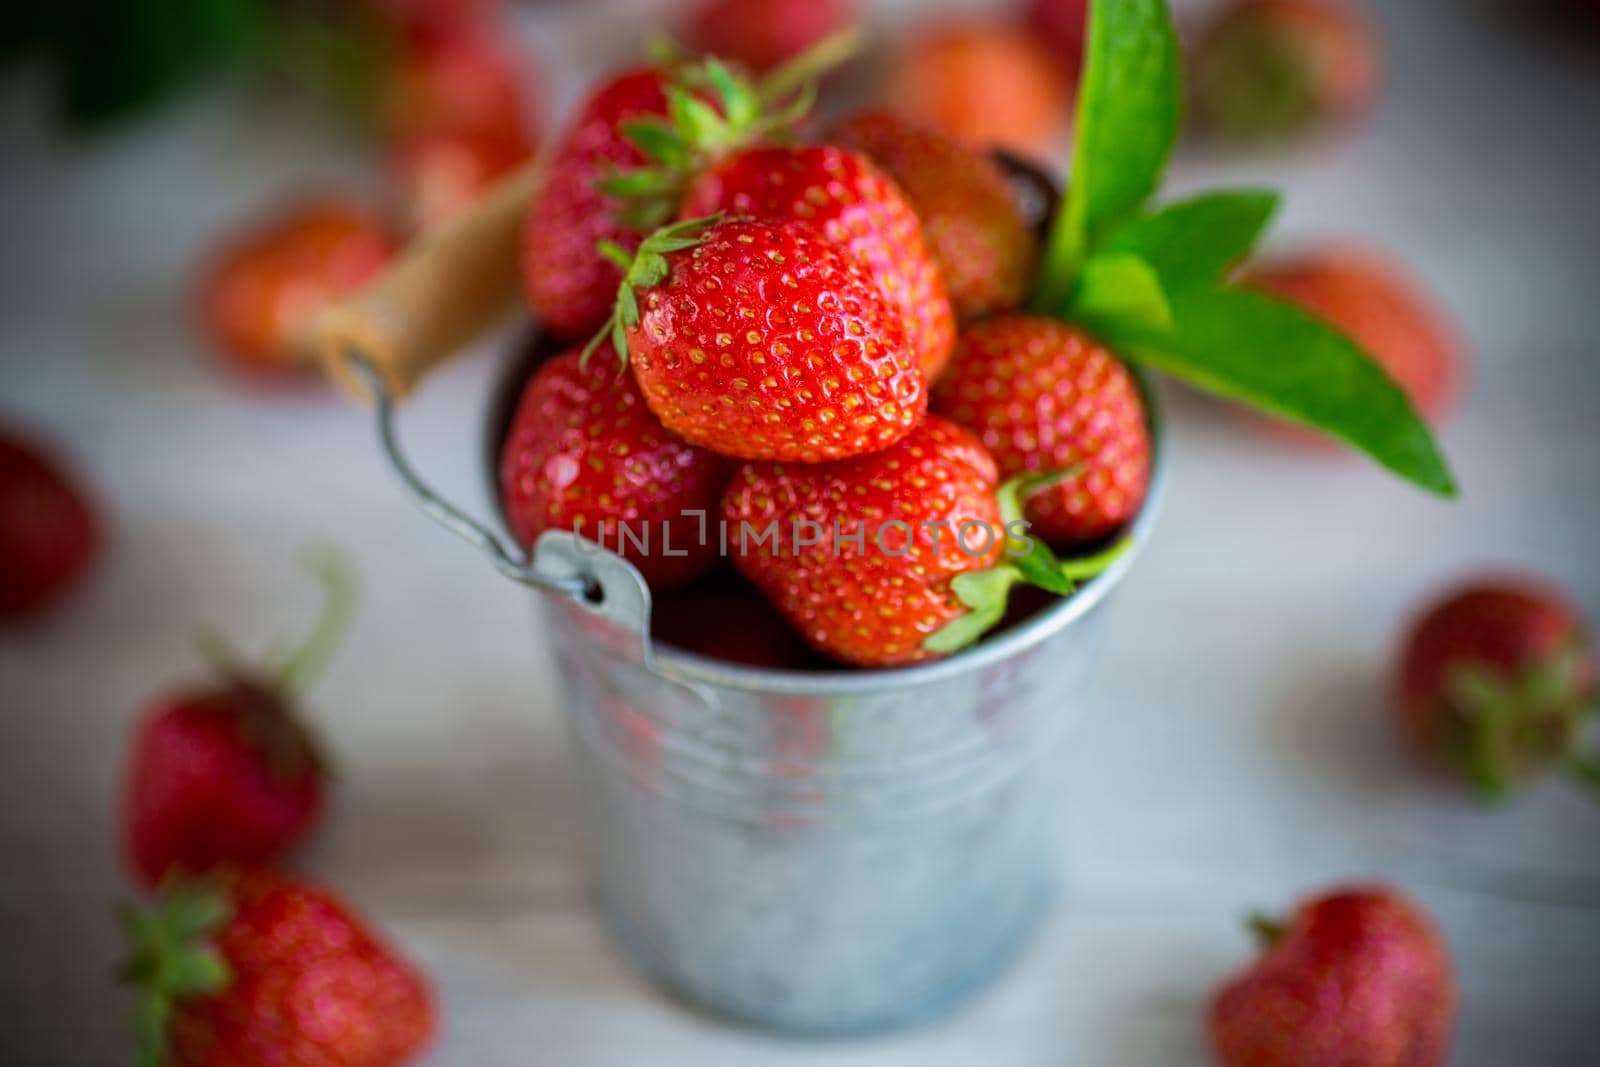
[1029,562]
[642,269]
[173,958]
[1155,284]
[261,699]
[713,110]
[1505,728]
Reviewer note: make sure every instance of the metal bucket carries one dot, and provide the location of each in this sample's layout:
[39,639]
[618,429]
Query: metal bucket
[817,853]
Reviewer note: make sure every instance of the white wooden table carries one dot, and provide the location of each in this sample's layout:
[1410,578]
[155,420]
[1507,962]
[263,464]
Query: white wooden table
[1240,753]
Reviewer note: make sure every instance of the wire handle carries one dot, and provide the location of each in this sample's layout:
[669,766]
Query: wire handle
[509,561]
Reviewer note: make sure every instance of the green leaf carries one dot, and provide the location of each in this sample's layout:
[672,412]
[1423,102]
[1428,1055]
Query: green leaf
[118,57]
[1273,356]
[1197,240]
[1120,287]
[1128,114]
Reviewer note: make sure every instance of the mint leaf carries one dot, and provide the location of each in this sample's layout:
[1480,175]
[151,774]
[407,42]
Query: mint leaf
[1128,112]
[1245,346]
[1198,240]
[1120,287]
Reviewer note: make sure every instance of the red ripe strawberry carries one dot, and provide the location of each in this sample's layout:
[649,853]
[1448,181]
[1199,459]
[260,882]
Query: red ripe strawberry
[227,773]
[426,17]
[765,340]
[855,205]
[585,454]
[1063,25]
[1270,69]
[724,618]
[761,34]
[463,80]
[854,559]
[1381,309]
[1045,396]
[49,534]
[443,173]
[982,82]
[570,287]
[971,222]
[260,968]
[1359,977]
[263,286]
[1497,680]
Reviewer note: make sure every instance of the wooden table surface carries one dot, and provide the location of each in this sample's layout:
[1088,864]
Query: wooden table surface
[1238,752]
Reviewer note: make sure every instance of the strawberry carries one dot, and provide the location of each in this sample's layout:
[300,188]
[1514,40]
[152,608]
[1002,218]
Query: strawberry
[570,287]
[871,604]
[1063,25]
[761,34]
[765,340]
[262,286]
[971,222]
[260,968]
[1271,69]
[227,772]
[890,558]
[1042,396]
[584,453]
[443,173]
[625,163]
[855,205]
[1359,977]
[1497,680]
[49,533]
[724,618]
[982,83]
[461,80]
[427,17]
[1373,301]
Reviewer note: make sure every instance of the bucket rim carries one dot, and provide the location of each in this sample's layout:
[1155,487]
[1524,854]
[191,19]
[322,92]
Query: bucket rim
[694,669]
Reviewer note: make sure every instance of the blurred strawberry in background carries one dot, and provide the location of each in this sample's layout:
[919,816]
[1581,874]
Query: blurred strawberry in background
[1063,26]
[1270,70]
[226,772]
[971,221]
[440,174]
[465,78]
[262,286]
[462,114]
[1497,681]
[1382,308]
[428,16]
[985,83]
[49,533]
[1358,976]
[761,34]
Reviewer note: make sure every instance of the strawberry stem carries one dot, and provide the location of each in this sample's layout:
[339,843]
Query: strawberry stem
[1268,930]
[333,621]
[809,66]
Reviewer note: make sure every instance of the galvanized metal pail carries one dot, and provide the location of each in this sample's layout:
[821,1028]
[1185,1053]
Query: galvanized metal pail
[812,852]
[818,853]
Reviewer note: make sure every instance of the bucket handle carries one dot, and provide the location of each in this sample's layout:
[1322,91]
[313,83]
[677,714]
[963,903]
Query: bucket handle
[506,559]
[441,293]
